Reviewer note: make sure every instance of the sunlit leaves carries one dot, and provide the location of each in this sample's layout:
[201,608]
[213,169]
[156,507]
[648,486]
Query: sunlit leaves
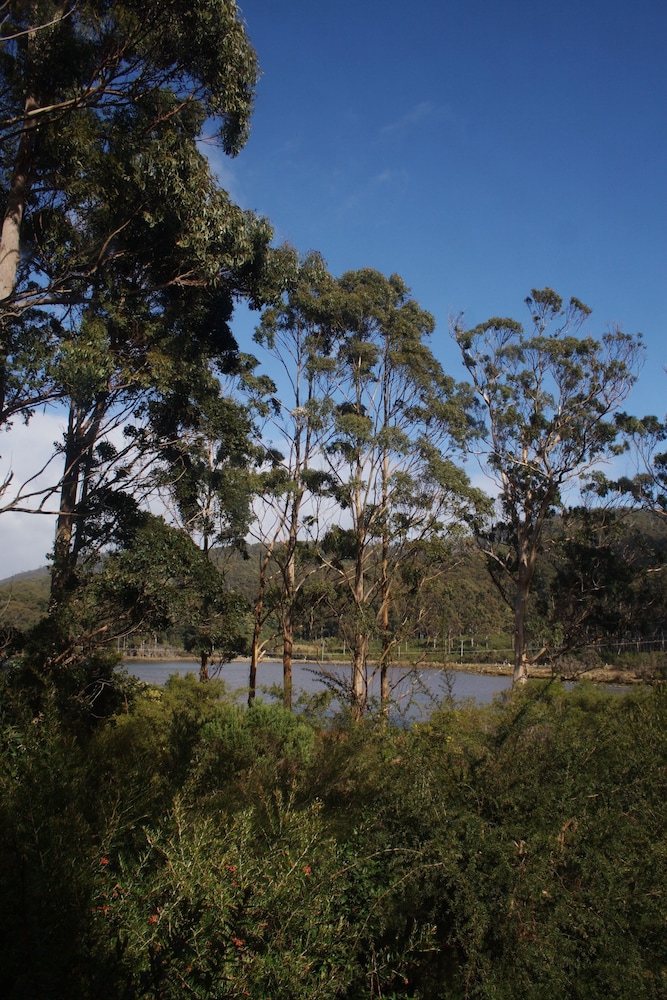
[550,397]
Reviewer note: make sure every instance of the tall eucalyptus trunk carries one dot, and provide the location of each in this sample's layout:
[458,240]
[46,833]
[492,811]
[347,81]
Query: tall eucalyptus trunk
[523,585]
[23,172]
[82,435]
[17,197]
[258,613]
[289,623]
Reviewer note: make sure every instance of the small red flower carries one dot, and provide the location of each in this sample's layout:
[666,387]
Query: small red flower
[153,918]
[237,942]
[230,868]
[104,861]
[307,869]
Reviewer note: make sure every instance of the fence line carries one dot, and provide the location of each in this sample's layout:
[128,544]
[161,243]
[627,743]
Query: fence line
[459,649]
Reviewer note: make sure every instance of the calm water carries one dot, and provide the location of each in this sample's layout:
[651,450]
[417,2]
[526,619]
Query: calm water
[414,694]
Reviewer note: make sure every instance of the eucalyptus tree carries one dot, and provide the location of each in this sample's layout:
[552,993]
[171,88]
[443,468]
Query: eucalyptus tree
[116,241]
[647,488]
[207,472]
[550,397]
[107,205]
[94,102]
[210,451]
[154,579]
[392,425]
[120,257]
[294,336]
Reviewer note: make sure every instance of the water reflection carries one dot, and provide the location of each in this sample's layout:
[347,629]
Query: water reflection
[414,693]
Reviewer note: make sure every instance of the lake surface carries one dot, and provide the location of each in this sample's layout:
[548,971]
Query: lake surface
[415,692]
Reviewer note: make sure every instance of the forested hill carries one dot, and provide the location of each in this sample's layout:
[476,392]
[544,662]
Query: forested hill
[465,593]
[24,598]
[463,598]
[31,574]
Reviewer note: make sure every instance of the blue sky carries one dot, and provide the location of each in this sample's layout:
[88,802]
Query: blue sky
[478,148]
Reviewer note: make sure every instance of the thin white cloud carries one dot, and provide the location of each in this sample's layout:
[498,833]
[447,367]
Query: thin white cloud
[388,176]
[25,540]
[415,116]
[379,185]
[25,451]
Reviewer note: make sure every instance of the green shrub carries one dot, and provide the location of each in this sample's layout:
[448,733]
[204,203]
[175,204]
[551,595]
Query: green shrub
[225,909]
[49,861]
[191,847]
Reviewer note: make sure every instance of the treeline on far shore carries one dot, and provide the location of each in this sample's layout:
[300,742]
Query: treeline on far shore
[465,618]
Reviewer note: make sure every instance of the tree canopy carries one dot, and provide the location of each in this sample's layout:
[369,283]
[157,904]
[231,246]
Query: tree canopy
[391,423]
[550,397]
[120,256]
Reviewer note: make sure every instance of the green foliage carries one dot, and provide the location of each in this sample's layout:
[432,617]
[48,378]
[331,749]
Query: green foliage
[222,909]
[161,579]
[49,862]
[575,886]
[148,754]
[550,397]
[208,453]
[250,753]
[24,599]
[122,261]
[240,738]
[601,579]
[191,845]
[158,580]
[107,188]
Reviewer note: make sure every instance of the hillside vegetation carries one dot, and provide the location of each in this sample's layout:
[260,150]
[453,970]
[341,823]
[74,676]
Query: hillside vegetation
[463,614]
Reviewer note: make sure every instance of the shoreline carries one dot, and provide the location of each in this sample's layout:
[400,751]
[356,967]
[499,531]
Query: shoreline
[599,675]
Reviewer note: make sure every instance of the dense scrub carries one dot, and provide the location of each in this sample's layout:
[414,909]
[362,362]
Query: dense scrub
[188,847]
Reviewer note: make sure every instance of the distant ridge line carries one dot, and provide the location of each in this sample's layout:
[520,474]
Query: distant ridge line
[27,574]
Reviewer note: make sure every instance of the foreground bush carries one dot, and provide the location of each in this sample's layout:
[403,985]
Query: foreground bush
[189,847]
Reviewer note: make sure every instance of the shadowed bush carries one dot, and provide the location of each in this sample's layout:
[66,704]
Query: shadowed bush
[193,847]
